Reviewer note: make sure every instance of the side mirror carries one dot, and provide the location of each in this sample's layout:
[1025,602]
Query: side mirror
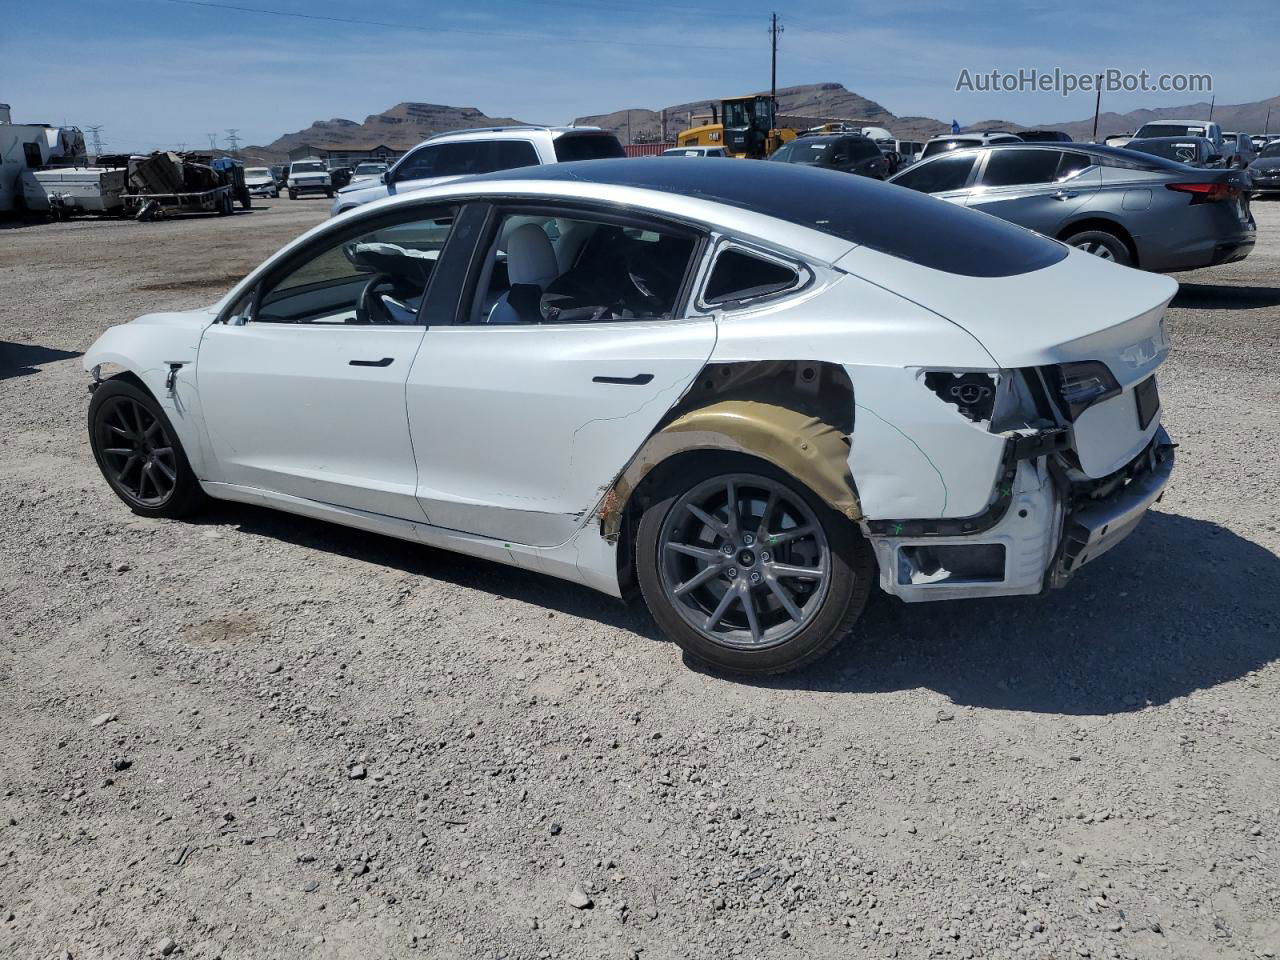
[385,176]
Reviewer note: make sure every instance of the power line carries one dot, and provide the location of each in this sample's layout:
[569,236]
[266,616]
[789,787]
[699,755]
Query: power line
[488,34]
[213,140]
[96,133]
[233,138]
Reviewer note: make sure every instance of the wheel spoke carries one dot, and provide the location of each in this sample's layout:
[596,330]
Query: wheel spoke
[155,425]
[173,477]
[784,598]
[753,619]
[791,570]
[731,509]
[721,608]
[698,579]
[163,451]
[119,451]
[137,421]
[711,522]
[133,458]
[705,554]
[762,532]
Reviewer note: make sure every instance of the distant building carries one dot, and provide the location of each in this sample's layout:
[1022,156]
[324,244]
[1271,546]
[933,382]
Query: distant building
[345,154]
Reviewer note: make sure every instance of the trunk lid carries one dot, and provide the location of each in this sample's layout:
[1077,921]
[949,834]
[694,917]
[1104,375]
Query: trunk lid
[1080,308]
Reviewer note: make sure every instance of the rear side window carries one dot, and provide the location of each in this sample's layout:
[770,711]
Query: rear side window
[1010,168]
[509,154]
[738,276]
[936,176]
[595,146]
[1071,164]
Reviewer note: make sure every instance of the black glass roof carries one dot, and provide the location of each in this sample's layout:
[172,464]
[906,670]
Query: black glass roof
[894,220]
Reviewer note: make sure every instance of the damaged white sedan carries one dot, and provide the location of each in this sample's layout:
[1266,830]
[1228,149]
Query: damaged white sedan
[742,390]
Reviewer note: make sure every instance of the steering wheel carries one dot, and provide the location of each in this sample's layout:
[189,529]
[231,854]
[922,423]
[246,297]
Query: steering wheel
[369,308]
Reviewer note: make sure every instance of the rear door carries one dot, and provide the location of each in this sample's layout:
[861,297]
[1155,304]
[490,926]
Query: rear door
[521,424]
[1035,188]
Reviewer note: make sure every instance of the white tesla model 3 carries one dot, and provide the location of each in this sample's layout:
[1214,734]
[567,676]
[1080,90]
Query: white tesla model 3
[744,390]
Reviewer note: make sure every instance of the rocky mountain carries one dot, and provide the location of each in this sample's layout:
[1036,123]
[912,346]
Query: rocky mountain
[410,123]
[403,126]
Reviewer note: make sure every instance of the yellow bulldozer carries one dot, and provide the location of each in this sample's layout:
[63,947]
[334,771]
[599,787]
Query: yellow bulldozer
[745,128]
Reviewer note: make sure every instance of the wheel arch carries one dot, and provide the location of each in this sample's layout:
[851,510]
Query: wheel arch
[1094,222]
[796,416]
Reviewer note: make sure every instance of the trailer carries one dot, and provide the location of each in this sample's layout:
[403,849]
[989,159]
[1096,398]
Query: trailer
[153,206]
[165,183]
[62,192]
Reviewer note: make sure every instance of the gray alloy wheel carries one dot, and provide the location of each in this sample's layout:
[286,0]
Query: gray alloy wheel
[744,561]
[137,452]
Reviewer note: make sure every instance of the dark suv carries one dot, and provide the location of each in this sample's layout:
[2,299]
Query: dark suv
[847,152]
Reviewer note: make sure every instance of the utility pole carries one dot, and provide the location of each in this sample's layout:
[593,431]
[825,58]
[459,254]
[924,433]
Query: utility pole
[1268,130]
[213,140]
[233,138]
[1097,109]
[96,134]
[775,28]
[1212,101]
[628,127]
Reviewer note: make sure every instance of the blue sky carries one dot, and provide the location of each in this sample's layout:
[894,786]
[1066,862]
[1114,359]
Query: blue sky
[164,73]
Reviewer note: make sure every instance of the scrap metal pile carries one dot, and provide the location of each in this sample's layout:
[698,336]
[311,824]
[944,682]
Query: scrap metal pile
[167,180]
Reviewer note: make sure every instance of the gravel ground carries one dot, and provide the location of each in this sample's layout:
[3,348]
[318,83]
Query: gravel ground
[259,736]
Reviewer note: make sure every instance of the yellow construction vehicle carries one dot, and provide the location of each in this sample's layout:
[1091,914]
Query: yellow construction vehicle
[745,128]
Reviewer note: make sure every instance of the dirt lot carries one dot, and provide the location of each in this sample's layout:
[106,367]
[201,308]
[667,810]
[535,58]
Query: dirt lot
[325,744]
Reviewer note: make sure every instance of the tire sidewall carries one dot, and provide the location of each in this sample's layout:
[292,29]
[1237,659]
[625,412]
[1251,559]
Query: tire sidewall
[852,571]
[187,495]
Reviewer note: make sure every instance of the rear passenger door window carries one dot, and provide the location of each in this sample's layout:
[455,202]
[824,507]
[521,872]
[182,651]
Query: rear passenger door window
[1013,168]
[545,268]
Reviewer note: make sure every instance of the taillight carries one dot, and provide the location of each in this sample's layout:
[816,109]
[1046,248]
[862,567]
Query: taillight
[1206,192]
[1081,385]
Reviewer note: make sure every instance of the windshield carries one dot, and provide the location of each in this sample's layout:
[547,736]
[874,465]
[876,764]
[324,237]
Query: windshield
[370,168]
[256,172]
[308,166]
[589,146]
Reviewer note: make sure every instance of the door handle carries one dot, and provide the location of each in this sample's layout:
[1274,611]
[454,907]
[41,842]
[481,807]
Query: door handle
[639,380]
[384,362]
[1065,195]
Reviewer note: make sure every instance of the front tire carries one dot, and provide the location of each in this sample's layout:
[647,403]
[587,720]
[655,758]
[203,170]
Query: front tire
[139,454]
[766,587]
[1102,244]
[293,194]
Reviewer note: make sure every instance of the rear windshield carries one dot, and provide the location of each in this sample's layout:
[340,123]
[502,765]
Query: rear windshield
[1184,151]
[587,146]
[1170,130]
[1271,150]
[893,220]
[945,146]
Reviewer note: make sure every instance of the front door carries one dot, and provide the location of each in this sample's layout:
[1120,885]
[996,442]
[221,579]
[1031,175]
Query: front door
[570,347]
[303,389]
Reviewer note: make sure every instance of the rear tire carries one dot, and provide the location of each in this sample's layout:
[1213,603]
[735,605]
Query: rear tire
[293,194]
[756,595]
[139,453]
[1102,244]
